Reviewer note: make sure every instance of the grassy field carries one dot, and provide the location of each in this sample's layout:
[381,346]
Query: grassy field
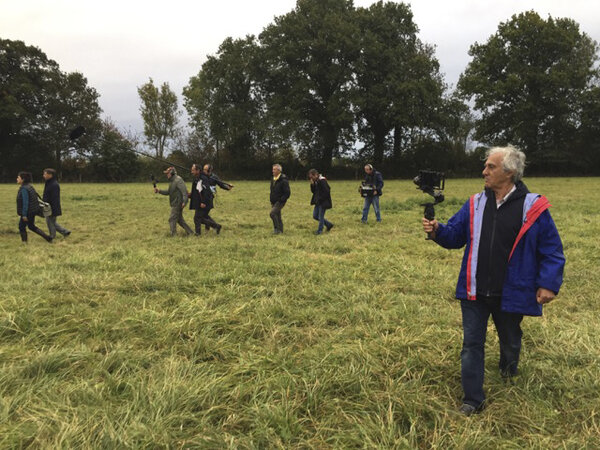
[120,336]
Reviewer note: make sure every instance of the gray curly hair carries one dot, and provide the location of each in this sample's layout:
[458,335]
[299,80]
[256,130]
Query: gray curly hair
[513,161]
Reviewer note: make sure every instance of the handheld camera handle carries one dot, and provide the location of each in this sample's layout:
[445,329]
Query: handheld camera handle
[429,214]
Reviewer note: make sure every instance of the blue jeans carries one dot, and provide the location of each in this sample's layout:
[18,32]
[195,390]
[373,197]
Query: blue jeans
[368,202]
[319,214]
[475,316]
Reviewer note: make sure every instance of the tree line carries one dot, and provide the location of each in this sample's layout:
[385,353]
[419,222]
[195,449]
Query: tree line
[327,85]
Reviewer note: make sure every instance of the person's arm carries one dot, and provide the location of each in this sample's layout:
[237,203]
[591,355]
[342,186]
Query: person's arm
[286,190]
[25,196]
[183,191]
[551,259]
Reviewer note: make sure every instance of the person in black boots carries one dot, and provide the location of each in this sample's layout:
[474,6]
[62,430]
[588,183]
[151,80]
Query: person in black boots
[280,192]
[213,181]
[52,196]
[321,198]
[206,197]
[27,207]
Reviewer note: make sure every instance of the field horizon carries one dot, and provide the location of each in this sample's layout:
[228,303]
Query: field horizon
[120,336]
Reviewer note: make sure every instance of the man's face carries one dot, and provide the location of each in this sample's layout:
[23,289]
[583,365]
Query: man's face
[19,180]
[195,170]
[313,177]
[276,171]
[46,176]
[368,170]
[493,173]
[206,169]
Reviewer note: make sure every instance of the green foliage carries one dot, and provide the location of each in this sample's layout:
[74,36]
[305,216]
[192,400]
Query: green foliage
[531,82]
[39,106]
[120,337]
[160,115]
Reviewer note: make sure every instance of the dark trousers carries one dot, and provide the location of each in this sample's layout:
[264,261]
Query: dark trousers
[475,315]
[31,225]
[276,216]
[319,215]
[201,217]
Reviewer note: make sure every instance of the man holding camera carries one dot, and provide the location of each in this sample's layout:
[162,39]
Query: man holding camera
[177,198]
[512,265]
[371,190]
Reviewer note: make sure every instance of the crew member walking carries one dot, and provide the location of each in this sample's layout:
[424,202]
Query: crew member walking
[321,198]
[280,192]
[177,198]
[27,207]
[52,196]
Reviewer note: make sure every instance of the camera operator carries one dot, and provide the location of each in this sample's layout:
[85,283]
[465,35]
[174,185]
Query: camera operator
[512,265]
[374,180]
[177,199]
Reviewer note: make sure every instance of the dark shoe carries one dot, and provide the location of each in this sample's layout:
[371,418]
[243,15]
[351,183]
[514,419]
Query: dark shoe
[23,236]
[468,410]
[364,221]
[67,234]
[318,232]
[207,227]
[218,229]
[329,227]
[276,231]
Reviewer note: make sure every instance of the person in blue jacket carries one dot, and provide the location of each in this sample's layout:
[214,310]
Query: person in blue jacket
[512,265]
[28,207]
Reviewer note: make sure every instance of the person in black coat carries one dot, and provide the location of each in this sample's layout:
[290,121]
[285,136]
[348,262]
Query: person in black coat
[52,196]
[206,183]
[280,192]
[321,198]
[28,207]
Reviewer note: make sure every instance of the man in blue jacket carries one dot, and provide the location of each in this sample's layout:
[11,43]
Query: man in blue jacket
[512,265]
[52,196]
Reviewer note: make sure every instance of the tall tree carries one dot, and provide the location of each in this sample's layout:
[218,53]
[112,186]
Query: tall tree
[160,114]
[388,45]
[39,105]
[309,55]
[223,100]
[528,82]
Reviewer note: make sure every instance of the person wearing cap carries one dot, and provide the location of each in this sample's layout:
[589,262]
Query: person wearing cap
[374,180]
[178,198]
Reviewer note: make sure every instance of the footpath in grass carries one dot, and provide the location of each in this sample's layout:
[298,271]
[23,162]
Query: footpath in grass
[120,336]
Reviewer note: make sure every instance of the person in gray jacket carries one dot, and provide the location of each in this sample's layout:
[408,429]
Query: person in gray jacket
[178,198]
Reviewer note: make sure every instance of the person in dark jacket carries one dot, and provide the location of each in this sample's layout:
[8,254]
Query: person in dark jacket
[194,197]
[205,188]
[374,180]
[52,196]
[280,192]
[321,198]
[512,265]
[28,207]
[178,198]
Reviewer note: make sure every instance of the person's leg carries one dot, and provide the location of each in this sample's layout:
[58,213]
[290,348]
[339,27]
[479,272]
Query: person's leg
[320,217]
[23,230]
[51,223]
[366,206]
[62,230]
[173,218]
[183,224]
[376,208]
[198,221]
[475,316]
[276,217]
[327,223]
[508,326]
[31,225]
[210,222]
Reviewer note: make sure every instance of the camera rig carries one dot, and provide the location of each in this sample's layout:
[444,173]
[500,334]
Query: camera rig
[431,183]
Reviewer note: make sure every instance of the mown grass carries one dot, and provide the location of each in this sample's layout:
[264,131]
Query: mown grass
[122,337]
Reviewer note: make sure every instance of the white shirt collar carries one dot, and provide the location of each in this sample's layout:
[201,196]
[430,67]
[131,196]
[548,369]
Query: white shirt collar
[503,200]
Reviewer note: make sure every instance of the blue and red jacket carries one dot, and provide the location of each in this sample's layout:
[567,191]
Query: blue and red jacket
[536,260]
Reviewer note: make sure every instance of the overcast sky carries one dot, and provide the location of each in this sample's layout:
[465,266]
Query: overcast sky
[119,44]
